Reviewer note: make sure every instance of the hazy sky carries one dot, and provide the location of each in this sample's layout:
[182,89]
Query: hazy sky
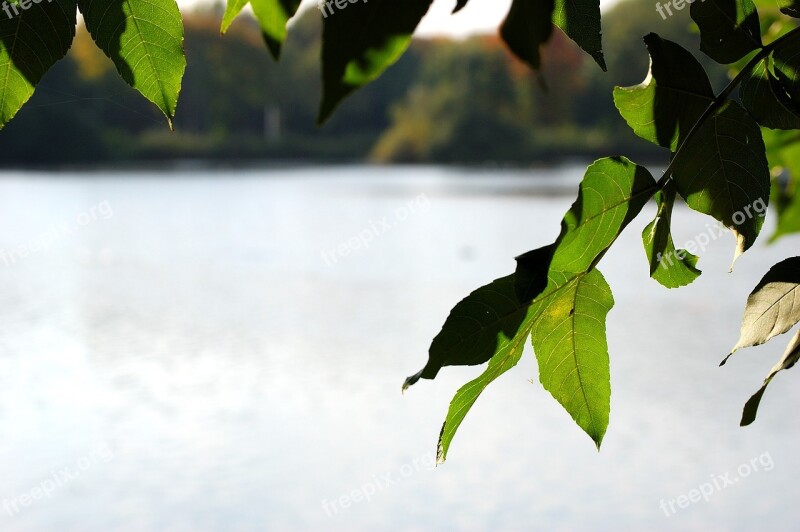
[479,15]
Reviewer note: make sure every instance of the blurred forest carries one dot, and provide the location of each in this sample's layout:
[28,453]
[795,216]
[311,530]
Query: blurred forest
[446,101]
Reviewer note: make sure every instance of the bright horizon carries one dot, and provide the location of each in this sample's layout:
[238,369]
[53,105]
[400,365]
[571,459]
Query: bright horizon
[480,16]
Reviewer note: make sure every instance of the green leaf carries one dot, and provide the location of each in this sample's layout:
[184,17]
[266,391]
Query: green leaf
[613,192]
[527,27]
[670,267]
[232,10]
[787,361]
[575,305]
[478,328]
[783,153]
[31,42]
[492,323]
[729,29]
[786,201]
[507,352]
[569,340]
[272,16]
[360,42]
[766,100]
[667,104]
[580,20]
[724,173]
[773,307]
[144,39]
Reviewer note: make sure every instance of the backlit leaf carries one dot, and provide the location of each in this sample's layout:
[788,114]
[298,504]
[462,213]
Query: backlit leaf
[580,20]
[671,267]
[569,340]
[144,39]
[773,307]
[272,16]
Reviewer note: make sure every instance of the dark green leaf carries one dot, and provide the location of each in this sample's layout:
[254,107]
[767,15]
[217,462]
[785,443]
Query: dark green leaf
[31,42]
[729,29]
[671,267]
[144,38]
[580,20]
[362,40]
[478,328]
[764,97]
[665,107]
[786,60]
[724,173]
[787,361]
[527,27]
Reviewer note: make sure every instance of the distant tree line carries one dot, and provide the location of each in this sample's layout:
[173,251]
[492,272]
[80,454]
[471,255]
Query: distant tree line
[445,101]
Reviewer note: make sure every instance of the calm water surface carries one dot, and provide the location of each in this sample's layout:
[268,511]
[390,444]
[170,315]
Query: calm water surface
[220,352]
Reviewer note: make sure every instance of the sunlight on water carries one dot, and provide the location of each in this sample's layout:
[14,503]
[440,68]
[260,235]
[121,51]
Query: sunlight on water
[225,352]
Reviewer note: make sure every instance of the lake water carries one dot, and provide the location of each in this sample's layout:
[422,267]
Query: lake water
[219,351]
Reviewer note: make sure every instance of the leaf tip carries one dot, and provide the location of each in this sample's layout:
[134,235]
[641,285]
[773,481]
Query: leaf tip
[411,381]
[751,407]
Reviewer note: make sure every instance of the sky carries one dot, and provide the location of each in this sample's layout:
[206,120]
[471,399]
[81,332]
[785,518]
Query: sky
[482,16]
